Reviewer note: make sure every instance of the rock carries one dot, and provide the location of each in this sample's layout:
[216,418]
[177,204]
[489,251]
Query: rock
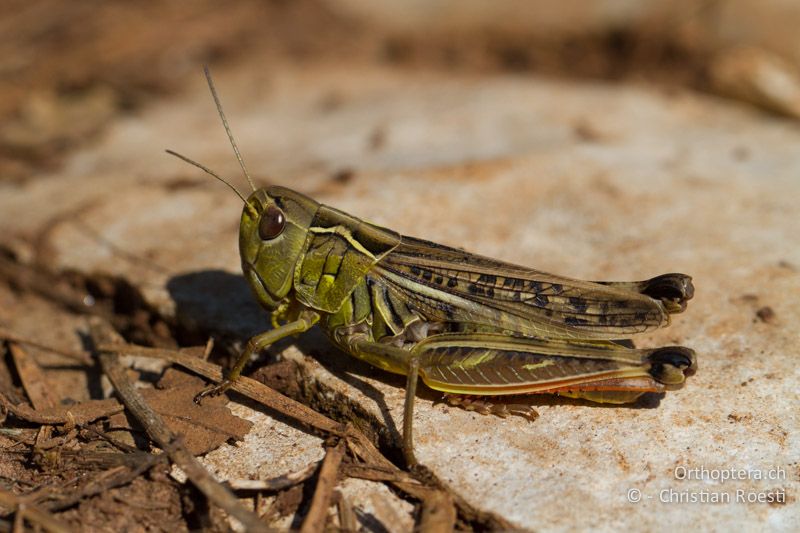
[500,166]
[758,77]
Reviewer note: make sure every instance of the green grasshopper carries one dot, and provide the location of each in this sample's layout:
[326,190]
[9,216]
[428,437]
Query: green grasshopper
[466,324]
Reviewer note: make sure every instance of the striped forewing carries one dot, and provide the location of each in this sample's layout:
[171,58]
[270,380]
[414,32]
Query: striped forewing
[451,285]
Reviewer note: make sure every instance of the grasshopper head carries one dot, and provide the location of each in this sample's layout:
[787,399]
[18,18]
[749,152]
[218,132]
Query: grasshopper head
[272,233]
[275,221]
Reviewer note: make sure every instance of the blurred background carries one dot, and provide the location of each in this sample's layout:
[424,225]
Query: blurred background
[67,69]
[597,139]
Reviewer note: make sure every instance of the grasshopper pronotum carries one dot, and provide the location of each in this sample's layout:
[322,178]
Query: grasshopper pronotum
[465,324]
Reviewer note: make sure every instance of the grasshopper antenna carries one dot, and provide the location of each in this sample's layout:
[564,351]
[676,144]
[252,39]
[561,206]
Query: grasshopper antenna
[227,128]
[211,172]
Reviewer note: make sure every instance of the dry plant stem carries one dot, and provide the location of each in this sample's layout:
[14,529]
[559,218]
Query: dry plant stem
[110,479]
[24,412]
[347,516]
[31,513]
[108,438]
[315,519]
[19,523]
[77,356]
[243,385]
[360,446]
[158,431]
[36,387]
[111,460]
[438,514]
[277,483]
[374,473]
[35,280]
[33,379]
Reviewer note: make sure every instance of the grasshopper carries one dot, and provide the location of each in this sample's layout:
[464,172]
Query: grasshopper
[465,324]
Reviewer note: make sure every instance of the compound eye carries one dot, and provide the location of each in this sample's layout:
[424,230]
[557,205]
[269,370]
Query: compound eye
[272,223]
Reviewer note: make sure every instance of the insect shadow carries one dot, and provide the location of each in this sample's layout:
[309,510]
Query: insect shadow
[222,304]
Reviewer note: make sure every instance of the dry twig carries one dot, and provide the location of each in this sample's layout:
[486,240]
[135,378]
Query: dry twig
[377,467]
[157,430]
[27,511]
[438,513]
[33,379]
[77,356]
[275,484]
[360,446]
[107,480]
[348,521]
[315,519]
[243,385]
[78,414]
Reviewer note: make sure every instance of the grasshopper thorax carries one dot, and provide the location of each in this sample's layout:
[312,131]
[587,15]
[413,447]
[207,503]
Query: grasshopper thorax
[272,235]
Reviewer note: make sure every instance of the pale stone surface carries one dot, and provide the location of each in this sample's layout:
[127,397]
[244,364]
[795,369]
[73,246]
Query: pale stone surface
[591,181]
[271,449]
[697,24]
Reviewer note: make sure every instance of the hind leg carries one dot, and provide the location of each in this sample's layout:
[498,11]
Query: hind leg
[394,359]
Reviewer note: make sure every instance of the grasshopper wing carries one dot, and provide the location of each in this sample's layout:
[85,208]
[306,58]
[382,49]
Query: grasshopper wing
[451,285]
